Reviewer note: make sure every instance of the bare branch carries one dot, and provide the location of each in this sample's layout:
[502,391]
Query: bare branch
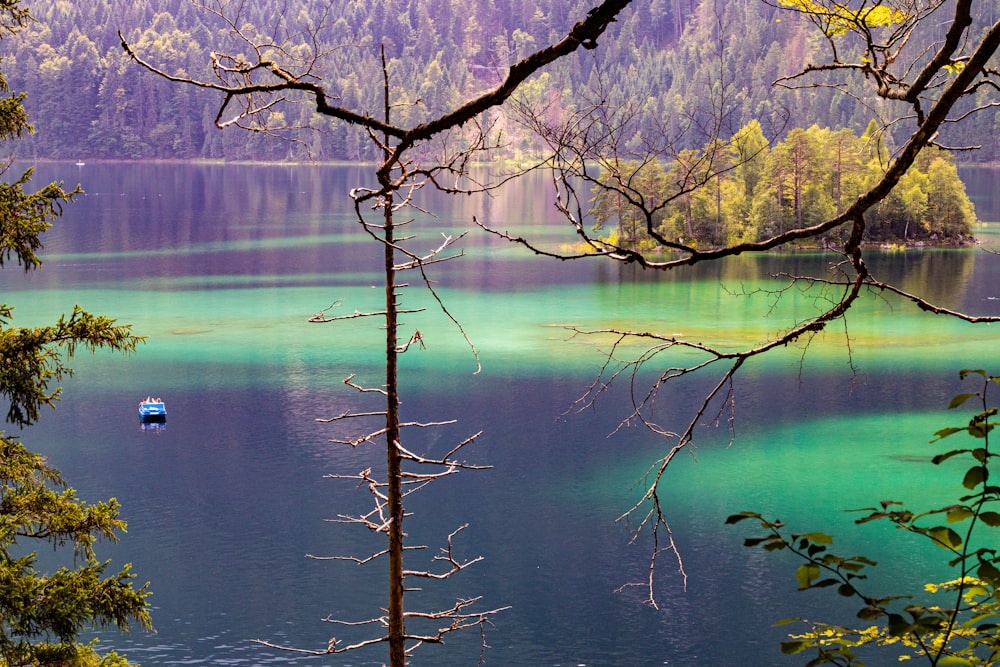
[929,307]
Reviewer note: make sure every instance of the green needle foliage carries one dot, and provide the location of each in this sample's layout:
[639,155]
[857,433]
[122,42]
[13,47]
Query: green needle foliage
[963,628]
[42,613]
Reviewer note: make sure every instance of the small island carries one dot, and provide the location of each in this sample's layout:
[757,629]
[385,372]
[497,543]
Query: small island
[747,189]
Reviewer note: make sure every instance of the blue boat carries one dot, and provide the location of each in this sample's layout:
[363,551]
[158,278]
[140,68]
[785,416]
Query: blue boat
[152,410]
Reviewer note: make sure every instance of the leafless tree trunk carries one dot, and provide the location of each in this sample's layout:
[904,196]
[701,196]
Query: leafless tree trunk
[394,464]
[257,84]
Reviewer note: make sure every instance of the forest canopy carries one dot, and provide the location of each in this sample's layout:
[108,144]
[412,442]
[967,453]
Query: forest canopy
[800,181]
[662,57]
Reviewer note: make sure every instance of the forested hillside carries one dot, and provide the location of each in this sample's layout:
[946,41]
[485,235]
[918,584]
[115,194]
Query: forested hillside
[665,60]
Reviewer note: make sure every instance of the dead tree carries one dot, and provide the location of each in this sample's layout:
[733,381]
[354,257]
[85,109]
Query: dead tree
[276,73]
[884,41]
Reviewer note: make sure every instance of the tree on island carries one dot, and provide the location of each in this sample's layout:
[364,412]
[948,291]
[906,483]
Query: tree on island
[43,613]
[803,179]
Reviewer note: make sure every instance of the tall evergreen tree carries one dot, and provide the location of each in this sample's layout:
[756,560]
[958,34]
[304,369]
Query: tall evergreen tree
[42,613]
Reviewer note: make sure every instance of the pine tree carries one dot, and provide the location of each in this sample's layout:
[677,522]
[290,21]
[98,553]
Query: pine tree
[42,613]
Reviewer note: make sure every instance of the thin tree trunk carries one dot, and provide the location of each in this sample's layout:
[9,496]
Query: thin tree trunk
[397,627]
[718,202]
[397,650]
[838,175]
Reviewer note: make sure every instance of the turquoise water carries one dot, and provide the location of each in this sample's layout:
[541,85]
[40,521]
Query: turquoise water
[221,266]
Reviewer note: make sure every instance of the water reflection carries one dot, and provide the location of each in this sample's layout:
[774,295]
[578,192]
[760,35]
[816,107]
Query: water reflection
[981,184]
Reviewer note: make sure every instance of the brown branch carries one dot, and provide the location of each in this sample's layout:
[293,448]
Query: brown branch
[446,460]
[447,555]
[927,306]
[584,33]
[416,338]
[332,647]
[321,317]
[362,561]
[349,382]
[350,415]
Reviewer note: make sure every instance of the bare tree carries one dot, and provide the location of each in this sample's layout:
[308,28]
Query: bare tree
[286,66]
[887,42]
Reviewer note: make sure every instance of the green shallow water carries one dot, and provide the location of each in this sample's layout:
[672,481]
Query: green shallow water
[533,328]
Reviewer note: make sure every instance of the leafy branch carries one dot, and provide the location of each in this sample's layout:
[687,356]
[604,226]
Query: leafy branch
[962,632]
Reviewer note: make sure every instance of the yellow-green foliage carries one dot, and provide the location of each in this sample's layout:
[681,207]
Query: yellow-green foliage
[74,655]
[839,19]
[748,190]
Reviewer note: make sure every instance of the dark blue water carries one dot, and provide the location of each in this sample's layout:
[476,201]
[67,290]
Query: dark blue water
[221,266]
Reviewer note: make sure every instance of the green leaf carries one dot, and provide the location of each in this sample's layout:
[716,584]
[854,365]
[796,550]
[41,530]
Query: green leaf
[806,574]
[945,537]
[851,566]
[815,549]
[977,592]
[959,399]
[787,621]
[736,518]
[970,371]
[991,519]
[770,542]
[989,572]
[958,514]
[870,613]
[974,477]
[897,625]
[979,429]
[954,660]
[816,538]
[944,433]
[941,458]
[794,647]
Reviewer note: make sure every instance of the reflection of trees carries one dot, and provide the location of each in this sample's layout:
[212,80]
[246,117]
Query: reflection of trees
[730,271]
[942,277]
[983,180]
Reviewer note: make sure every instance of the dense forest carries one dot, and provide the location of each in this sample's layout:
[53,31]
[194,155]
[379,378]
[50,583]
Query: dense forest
[664,59]
[806,178]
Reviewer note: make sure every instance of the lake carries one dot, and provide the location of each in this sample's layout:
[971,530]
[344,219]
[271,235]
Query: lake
[221,267]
